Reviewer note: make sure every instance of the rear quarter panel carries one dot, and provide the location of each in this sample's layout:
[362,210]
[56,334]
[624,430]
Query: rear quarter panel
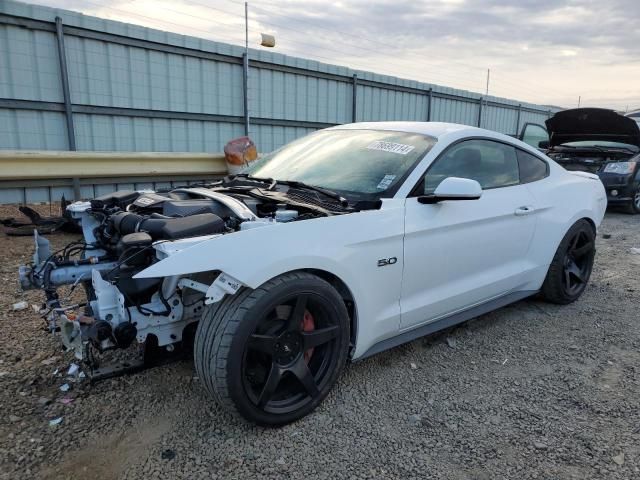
[562,199]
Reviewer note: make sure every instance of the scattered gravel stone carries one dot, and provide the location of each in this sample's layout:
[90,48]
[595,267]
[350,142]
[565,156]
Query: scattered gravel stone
[619,459]
[540,446]
[415,420]
[280,461]
[606,236]
[168,454]
[451,342]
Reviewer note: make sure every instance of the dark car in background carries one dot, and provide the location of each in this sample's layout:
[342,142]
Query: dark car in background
[603,142]
[635,115]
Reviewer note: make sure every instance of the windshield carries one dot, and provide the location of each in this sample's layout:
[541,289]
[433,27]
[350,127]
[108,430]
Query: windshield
[365,162]
[601,144]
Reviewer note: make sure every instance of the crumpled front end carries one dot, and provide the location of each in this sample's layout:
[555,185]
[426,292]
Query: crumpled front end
[126,233]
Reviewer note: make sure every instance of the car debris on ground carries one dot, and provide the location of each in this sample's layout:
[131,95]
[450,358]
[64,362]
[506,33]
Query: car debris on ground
[20,306]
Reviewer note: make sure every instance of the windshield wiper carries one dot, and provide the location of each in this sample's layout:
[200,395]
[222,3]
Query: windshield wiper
[295,184]
[270,181]
[327,193]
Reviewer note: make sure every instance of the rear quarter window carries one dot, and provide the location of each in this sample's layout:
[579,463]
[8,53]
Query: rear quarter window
[532,168]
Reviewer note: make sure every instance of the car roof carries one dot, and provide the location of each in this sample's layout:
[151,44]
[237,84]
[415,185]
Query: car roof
[440,131]
[433,129]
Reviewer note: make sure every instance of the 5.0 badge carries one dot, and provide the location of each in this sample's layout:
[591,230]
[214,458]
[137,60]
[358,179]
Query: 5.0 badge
[383,262]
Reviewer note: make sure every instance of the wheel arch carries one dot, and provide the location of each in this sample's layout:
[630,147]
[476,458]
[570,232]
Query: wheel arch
[347,296]
[590,222]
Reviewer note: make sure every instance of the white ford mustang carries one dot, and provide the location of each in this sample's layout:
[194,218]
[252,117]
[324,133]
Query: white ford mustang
[341,244]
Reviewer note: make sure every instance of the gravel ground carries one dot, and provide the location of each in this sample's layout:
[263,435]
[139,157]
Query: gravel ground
[530,391]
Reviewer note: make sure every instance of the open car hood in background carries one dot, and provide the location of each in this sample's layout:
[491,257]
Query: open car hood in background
[580,124]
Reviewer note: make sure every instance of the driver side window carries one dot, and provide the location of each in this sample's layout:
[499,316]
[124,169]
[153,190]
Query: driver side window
[492,164]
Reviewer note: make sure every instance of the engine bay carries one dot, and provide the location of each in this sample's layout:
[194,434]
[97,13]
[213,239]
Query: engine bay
[587,159]
[127,231]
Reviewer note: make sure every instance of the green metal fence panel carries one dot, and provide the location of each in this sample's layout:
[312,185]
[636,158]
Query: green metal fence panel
[132,88]
[29,66]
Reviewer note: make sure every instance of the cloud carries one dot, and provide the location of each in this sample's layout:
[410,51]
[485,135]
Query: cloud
[543,51]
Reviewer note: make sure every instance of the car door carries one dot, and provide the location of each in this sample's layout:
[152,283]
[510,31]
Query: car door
[460,253]
[534,135]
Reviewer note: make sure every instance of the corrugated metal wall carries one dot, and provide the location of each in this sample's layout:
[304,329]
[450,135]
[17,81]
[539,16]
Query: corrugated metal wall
[137,89]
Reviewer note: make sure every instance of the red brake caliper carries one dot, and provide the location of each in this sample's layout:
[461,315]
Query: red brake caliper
[308,325]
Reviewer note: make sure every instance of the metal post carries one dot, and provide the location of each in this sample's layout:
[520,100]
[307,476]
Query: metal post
[68,111]
[480,113]
[245,64]
[430,98]
[488,75]
[518,119]
[245,88]
[354,104]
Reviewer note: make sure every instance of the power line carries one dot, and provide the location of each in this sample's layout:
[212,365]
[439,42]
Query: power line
[358,37]
[272,23]
[367,65]
[156,20]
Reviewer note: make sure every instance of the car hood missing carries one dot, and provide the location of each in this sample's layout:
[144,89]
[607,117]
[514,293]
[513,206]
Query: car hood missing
[585,124]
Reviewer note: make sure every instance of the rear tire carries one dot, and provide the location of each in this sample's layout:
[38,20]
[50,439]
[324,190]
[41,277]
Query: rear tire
[571,266]
[273,354]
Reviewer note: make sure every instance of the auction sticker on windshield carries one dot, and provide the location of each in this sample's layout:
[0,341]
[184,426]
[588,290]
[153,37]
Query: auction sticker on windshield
[399,148]
[385,182]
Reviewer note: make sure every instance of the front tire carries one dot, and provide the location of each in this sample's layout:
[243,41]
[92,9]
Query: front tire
[273,354]
[571,266]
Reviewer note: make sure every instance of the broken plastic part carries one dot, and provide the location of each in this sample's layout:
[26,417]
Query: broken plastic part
[20,305]
[71,336]
[223,285]
[55,422]
[73,370]
[43,249]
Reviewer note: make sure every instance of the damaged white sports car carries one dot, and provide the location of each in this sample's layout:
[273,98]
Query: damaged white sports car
[341,244]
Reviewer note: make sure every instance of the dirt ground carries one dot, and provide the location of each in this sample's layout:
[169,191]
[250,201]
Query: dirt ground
[530,391]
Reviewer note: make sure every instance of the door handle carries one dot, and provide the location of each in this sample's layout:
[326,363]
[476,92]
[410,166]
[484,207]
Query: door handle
[525,210]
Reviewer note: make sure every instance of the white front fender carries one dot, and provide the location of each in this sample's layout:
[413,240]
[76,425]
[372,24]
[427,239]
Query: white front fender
[348,247]
[256,255]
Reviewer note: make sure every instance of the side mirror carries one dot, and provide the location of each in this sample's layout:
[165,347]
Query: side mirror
[544,144]
[454,188]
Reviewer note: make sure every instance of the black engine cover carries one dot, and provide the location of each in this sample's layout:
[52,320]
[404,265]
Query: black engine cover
[167,228]
[120,199]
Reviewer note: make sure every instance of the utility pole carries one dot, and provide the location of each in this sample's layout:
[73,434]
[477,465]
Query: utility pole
[579,100]
[488,75]
[246,68]
[485,99]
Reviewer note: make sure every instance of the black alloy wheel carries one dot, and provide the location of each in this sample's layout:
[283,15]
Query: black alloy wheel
[272,354]
[290,355]
[578,262]
[571,266]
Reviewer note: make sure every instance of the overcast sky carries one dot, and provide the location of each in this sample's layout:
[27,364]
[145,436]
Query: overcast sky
[541,51]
